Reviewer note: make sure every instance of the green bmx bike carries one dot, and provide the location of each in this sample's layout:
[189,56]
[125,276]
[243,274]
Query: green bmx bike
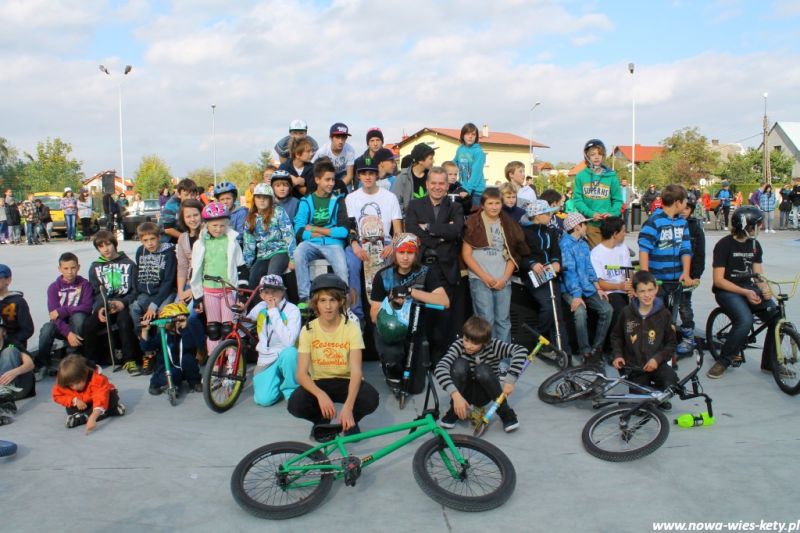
[287,479]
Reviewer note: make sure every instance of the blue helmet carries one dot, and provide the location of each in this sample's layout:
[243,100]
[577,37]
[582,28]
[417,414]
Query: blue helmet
[593,143]
[225,186]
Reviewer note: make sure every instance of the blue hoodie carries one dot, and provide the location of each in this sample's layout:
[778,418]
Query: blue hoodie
[337,221]
[576,263]
[470,161]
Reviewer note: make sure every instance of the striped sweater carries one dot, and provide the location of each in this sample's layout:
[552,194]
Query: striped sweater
[491,354]
[666,240]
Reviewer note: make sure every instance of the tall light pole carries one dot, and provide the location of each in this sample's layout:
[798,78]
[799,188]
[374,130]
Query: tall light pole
[530,135]
[214,142]
[633,130]
[767,173]
[127,70]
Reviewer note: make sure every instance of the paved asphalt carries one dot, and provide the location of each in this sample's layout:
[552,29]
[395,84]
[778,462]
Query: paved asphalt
[163,468]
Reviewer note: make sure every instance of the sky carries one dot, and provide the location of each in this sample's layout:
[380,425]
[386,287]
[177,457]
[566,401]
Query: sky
[401,66]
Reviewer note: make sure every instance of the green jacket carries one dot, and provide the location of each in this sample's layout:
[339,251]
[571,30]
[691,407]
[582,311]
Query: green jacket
[597,193]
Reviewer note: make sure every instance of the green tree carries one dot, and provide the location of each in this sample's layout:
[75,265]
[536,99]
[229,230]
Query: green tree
[689,156]
[201,176]
[241,174]
[51,168]
[748,168]
[264,160]
[152,175]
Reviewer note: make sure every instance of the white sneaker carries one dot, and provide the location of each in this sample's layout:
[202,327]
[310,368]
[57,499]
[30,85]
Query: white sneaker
[772,231]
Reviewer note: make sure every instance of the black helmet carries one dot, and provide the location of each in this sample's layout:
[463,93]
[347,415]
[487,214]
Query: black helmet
[328,281]
[746,217]
[593,143]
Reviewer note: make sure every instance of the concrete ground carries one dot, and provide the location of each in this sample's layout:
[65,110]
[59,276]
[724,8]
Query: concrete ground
[163,468]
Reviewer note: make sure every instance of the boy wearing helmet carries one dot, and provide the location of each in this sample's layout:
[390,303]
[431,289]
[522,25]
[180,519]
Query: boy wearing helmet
[298,129]
[329,362]
[597,190]
[278,325]
[281,183]
[737,258]
[182,347]
[226,193]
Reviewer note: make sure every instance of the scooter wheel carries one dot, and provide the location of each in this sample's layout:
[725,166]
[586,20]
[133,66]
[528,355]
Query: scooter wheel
[7,448]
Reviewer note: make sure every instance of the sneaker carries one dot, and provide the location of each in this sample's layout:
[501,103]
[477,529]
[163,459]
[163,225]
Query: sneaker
[716,371]
[155,390]
[510,422]
[120,410]
[132,368]
[6,420]
[197,387]
[148,363]
[687,344]
[40,373]
[76,419]
[448,421]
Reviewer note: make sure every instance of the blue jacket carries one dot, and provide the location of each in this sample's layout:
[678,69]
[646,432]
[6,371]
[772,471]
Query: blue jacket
[238,218]
[725,196]
[666,240]
[337,221]
[578,276]
[470,161]
[767,201]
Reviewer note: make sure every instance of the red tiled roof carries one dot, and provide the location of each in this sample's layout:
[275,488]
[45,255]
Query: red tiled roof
[495,137]
[577,168]
[543,166]
[644,154]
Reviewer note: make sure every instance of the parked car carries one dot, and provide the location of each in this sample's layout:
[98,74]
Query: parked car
[53,201]
[150,211]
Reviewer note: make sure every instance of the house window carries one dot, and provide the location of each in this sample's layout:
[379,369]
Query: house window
[778,148]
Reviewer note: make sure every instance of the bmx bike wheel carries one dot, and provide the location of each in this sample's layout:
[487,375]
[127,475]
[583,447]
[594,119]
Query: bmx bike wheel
[224,376]
[607,436]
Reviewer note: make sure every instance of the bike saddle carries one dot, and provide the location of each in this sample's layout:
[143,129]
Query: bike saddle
[325,432]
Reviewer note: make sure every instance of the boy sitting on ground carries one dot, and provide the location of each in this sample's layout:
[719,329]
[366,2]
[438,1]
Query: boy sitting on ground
[469,373]
[15,312]
[644,337]
[278,325]
[69,300]
[86,393]
[16,376]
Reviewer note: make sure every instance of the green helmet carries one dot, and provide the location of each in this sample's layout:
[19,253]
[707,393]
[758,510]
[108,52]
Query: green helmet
[391,329]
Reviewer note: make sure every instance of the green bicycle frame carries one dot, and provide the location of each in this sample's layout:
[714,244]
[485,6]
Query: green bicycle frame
[418,428]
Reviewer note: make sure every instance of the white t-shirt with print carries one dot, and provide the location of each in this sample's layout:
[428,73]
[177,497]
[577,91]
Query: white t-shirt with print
[387,206]
[525,196]
[603,257]
[346,158]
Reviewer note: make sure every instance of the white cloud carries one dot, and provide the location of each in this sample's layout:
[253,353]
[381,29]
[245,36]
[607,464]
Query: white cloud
[400,67]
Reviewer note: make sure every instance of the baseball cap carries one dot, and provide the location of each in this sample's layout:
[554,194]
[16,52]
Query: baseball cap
[374,132]
[298,125]
[421,151]
[5,271]
[538,207]
[368,164]
[272,281]
[340,129]
[572,220]
[384,154]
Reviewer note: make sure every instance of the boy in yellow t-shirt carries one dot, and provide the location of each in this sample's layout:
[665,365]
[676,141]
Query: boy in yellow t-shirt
[329,362]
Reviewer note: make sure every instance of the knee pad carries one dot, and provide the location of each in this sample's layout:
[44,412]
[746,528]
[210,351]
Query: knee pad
[226,329]
[214,331]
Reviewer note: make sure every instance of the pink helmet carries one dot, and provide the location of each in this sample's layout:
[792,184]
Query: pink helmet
[215,210]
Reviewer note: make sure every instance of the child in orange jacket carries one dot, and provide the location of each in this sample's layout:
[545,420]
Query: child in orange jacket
[86,393]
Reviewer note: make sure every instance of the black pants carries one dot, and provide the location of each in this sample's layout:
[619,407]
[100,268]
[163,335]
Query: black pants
[113,401]
[479,386]
[276,264]
[303,404]
[86,224]
[660,378]
[96,343]
[545,321]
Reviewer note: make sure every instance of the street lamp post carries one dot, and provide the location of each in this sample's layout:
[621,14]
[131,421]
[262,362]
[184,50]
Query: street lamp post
[214,142]
[767,172]
[633,130]
[127,70]
[530,135]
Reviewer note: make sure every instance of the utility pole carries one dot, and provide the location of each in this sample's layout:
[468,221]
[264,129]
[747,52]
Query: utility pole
[767,173]
[214,142]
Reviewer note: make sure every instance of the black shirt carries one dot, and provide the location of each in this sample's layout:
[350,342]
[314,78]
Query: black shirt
[418,189]
[429,281]
[737,258]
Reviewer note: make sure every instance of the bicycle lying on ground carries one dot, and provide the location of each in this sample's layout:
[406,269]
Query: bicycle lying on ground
[288,479]
[634,428]
[786,358]
[226,369]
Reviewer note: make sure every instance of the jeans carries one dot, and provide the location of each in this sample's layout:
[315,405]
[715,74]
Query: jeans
[11,358]
[308,251]
[685,310]
[3,231]
[740,312]
[70,221]
[303,404]
[32,232]
[49,333]
[142,303]
[277,380]
[784,220]
[604,314]
[795,216]
[660,378]
[767,220]
[494,306]
[15,233]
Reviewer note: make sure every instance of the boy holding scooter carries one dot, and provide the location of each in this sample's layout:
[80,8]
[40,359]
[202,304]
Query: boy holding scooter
[470,373]
[544,266]
[179,363]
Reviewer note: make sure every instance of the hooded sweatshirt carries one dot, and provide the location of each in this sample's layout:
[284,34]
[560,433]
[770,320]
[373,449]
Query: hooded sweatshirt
[17,318]
[597,193]
[116,276]
[68,299]
[155,273]
[471,160]
[637,338]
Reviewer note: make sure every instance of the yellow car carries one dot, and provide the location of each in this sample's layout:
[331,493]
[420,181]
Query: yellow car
[53,201]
